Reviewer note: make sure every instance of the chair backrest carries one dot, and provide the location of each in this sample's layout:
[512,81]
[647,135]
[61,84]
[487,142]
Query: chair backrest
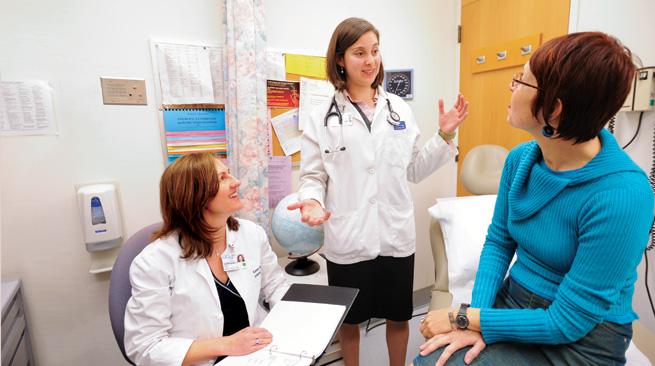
[482,168]
[439,296]
[120,288]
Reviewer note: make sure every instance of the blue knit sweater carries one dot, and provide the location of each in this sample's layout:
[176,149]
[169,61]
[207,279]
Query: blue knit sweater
[578,242]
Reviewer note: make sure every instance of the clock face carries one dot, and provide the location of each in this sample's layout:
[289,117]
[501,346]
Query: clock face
[400,83]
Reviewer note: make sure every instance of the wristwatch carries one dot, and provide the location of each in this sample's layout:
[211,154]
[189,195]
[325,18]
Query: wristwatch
[462,320]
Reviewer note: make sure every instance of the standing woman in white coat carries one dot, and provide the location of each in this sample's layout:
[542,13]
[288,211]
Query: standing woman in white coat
[192,301]
[358,151]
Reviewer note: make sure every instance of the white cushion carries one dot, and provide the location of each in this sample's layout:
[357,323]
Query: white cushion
[464,222]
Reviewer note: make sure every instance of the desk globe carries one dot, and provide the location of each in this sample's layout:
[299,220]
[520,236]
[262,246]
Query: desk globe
[298,238]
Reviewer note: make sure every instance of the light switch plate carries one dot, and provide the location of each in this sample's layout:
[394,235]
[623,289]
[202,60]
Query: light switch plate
[123,91]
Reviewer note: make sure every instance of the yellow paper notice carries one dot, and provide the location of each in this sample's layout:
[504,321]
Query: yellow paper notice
[312,66]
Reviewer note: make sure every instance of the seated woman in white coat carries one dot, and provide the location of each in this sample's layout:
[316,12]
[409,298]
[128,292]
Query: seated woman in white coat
[192,301]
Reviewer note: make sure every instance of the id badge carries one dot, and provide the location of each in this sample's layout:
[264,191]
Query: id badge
[347,119]
[232,262]
[401,126]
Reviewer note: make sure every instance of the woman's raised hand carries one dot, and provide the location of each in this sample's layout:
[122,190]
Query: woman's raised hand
[449,121]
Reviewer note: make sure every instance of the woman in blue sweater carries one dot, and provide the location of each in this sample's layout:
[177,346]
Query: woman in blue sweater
[576,211]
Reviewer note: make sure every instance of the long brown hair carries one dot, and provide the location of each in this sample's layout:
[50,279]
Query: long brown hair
[185,188]
[344,36]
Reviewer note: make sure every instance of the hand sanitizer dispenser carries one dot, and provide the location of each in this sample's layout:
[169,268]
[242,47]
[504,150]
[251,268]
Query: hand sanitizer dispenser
[101,216]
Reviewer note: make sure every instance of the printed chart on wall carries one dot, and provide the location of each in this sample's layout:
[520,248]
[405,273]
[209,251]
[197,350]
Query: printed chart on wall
[190,74]
[194,130]
[26,108]
[190,90]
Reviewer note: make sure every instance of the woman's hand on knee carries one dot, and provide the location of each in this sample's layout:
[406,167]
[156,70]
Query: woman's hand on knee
[435,323]
[454,340]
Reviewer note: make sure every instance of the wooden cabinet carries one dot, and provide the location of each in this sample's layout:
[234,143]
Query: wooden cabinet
[16,348]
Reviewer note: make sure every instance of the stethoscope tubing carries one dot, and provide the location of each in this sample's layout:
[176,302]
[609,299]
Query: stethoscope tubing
[393,119]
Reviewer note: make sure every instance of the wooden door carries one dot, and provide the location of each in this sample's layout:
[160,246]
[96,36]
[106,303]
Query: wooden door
[490,23]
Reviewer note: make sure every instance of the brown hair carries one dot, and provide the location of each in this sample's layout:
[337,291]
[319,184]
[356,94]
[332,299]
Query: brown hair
[344,36]
[591,73]
[185,188]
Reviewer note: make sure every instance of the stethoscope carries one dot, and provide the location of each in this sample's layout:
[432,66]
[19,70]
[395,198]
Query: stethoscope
[393,119]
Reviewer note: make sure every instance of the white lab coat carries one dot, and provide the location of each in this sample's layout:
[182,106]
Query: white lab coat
[365,186]
[174,301]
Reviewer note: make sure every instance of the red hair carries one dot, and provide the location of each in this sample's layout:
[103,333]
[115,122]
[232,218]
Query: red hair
[590,73]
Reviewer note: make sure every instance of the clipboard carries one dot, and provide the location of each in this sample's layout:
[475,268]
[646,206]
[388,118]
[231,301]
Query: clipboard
[306,302]
[334,295]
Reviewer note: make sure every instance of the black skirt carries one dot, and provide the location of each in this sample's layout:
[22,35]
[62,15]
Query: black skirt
[385,287]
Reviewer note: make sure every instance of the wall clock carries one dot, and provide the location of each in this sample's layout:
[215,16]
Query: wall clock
[400,82]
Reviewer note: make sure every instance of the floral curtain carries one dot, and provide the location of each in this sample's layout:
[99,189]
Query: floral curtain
[245,76]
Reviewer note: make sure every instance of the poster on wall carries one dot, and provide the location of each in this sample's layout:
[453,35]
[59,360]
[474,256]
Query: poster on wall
[194,130]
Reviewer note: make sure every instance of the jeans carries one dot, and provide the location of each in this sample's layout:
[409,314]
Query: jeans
[605,344]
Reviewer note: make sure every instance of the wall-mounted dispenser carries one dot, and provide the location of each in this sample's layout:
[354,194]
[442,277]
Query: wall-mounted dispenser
[101,216]
[642,93]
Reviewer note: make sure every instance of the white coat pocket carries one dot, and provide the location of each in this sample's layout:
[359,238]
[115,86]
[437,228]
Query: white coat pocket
[398,225]
[343,234]
[397,149]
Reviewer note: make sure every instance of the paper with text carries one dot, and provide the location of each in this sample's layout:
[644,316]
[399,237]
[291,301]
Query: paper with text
[27,109]
[286,129]
[279,179]
[185,74]
[312,94]
[298,328]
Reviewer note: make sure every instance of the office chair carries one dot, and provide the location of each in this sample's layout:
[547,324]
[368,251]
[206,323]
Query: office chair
[480,174]
[482,168]
[120,288]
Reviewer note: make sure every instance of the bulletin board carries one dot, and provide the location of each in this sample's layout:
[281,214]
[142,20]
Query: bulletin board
[277,149]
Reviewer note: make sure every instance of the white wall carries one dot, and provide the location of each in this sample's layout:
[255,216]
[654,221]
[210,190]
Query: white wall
[72,43]
[632,22]
[419,35]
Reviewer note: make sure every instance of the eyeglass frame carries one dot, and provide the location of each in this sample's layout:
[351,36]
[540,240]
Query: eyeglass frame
[517,78]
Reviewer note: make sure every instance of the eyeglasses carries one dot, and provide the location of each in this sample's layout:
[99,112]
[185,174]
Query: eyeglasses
[517,79]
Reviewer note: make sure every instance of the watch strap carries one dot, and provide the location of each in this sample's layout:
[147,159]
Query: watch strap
[447,137]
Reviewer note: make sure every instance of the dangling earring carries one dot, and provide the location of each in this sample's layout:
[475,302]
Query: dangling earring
[341,69]
[548,131]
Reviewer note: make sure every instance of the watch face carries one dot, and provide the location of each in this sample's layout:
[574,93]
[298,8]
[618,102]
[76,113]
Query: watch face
[462,322]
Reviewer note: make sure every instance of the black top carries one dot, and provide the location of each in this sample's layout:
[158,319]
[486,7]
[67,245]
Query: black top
[235,315]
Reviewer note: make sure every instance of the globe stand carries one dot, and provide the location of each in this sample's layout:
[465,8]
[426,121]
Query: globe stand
[302,266]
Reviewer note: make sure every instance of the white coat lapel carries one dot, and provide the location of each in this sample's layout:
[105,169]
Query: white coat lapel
[202,267]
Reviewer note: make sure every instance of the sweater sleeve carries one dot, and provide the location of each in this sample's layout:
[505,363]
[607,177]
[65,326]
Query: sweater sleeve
[613,231]
[499,246]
